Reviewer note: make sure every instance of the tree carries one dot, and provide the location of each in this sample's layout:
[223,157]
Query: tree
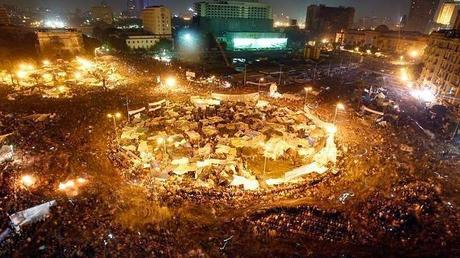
[163,44]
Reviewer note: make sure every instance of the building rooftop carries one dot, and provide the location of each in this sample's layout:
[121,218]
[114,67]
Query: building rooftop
[57,30]
[454,34]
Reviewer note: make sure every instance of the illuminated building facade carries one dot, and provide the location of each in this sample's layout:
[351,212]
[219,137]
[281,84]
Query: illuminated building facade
[242,25]
[219,17]
[249,9]
[457,22]
[254,41]
[324,22]
[442,65]
[157,20]
[421,15]
[312,51]
[447,14]
[141,41]
[4,18]
[387,41]
[102,13]
[59,43]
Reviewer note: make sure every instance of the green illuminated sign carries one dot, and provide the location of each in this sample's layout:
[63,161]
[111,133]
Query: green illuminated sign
[259,43]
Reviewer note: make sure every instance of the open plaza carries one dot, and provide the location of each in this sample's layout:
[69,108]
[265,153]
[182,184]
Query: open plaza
[170,164]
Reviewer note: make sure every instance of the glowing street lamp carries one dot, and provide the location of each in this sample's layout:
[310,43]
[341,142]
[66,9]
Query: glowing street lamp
[188,37]
[331,130]
[404,75]
[77,75]
[425,95]
[414,54]
[85,64]
[171,82]
[261,80]
[307,90]
[21,74]
[28,181]
[162,141]
[114,117]
[61,89]
[338,107]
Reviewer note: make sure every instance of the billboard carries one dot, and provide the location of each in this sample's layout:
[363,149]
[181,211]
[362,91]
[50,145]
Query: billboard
[259,43]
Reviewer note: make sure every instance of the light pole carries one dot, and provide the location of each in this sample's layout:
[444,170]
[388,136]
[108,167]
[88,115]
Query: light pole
[245,75]
[338,107]
[315,72]
[455,131]
[265,164]
[281,72]
[307,90]
[260,82]
[114,117]
[162,141]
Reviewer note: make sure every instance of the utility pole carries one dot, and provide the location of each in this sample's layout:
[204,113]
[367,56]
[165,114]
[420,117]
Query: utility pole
[281,71]
[245,67]
[127,109]
[455,131]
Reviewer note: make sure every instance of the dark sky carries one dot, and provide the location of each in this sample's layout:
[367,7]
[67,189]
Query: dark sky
[293,8]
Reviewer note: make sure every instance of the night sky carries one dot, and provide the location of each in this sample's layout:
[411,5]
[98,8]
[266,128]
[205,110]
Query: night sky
[292,8]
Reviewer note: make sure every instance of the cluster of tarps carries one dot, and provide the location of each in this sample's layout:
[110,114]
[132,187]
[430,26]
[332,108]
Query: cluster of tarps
[215,145]
[6,153]
[245,98]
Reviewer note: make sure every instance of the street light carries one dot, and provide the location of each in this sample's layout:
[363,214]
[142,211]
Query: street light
[28,181]
[188,37]
[114,117]
[414,54]
[307,90]
[77,75]
[260,82]
[404,75]
[162,141]
[171,82]
[425,95]
[338,107]
[331,129]
[21,74]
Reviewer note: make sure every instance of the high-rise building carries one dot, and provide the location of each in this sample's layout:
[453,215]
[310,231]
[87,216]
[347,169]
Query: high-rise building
[325,22]
[218,17]
[4,18]
[387,41]
[457,22]
[441,71]
[102,13]
[249,9]
[157,20]
[422,15]
[447,14]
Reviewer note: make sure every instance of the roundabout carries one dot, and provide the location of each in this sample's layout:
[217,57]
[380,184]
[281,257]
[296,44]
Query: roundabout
[215,141]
